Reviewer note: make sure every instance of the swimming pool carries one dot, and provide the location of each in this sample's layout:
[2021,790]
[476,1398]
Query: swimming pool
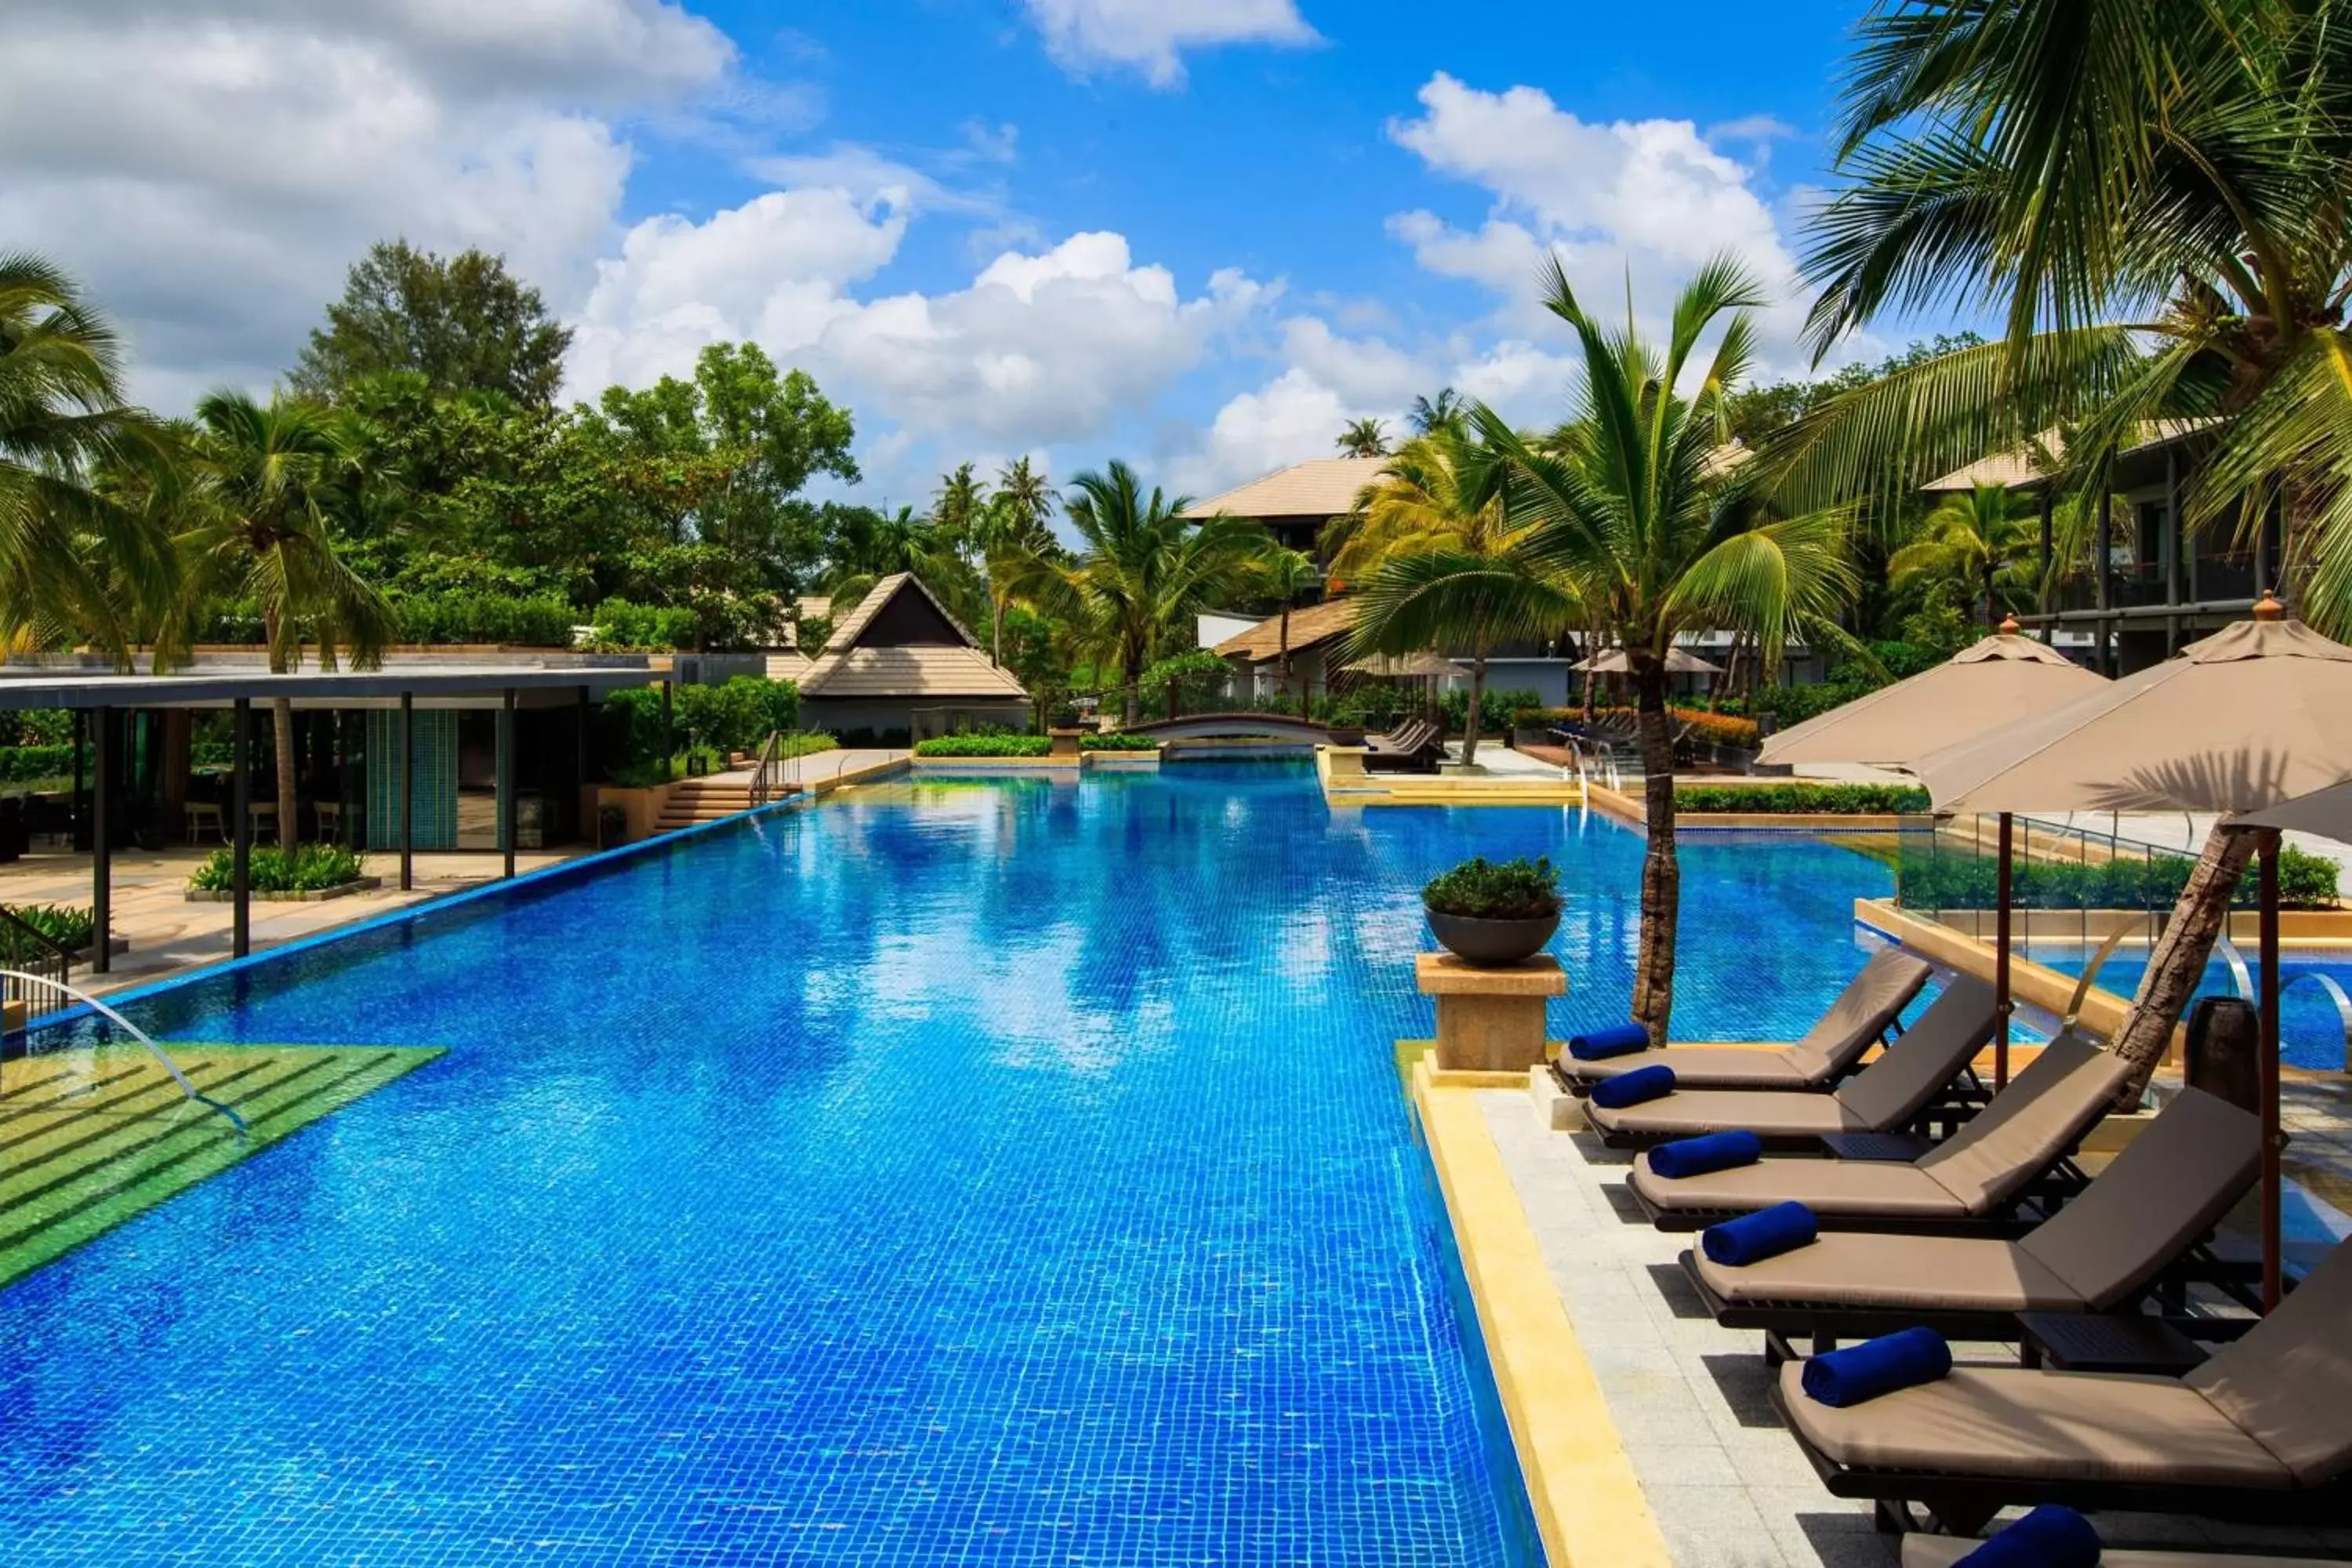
[2311,1028]
[980,1172]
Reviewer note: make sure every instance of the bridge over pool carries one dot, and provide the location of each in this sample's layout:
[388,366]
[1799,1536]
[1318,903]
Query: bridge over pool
[1235,726]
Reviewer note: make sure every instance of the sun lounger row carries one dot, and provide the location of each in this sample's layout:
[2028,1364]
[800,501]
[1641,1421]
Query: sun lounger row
[1416,747]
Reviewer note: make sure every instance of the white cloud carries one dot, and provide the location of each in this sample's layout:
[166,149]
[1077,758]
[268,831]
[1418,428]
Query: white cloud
[1150,36]
[248,155]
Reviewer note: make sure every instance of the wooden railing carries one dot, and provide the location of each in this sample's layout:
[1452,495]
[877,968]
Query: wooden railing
[34,966]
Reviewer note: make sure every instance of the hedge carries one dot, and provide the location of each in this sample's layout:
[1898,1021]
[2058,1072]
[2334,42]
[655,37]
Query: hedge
[1495,708]
[1118,744]
[310,869]
[740,715]
[2306,881]
[23,764]
[456,617]
[620,623]
[985,746]
[1804,799]
[1718,728]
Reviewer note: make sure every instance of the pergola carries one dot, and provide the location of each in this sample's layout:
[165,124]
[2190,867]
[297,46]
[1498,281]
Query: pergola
[105,697]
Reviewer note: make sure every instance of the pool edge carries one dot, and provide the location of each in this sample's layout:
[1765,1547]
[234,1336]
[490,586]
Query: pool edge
[1589,1505]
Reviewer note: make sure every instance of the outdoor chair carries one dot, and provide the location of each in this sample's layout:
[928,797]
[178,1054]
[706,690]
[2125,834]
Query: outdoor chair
[2149,1212]
[330,814]
[206,817]
[2018,1149]
[1897,1090]
[2262,1432]
[1416,750]
[1944,1550]
[1867,1011]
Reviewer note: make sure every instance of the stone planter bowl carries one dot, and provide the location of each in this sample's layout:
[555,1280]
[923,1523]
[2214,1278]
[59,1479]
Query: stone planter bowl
[1492,945]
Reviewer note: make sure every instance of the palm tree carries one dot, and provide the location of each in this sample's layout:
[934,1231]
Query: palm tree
[1447,411]
[270,480]
[1980,542]
[1284,574]
[1661,541]
[77,557]
[2170,174]
[1143,570]
[1439,562]
[1364,439]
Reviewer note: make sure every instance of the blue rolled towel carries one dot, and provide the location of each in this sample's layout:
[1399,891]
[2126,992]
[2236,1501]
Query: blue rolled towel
[1874,1367]
[2049,1537]
[1623,1039]
[1698,1156]
[1634,1087]
[1753,1237]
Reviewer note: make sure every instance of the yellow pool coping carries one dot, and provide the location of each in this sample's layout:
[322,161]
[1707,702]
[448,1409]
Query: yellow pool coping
[1589,1505]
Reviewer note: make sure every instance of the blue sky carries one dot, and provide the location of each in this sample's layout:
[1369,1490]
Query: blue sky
[1198,236]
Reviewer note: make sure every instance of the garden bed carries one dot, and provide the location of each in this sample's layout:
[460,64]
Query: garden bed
[288,895]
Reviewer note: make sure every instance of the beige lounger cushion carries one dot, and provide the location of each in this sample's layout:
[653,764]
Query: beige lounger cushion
[1765,1114]
[1872,1000]
[2055,1426]
[1943,1551]
[1921,1273]
[2289,1382]
[1826,1186]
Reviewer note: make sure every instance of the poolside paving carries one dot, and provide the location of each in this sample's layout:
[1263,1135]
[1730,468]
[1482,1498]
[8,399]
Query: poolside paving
[1729,1486]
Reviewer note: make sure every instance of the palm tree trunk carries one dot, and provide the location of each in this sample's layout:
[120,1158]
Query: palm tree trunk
[2178,960]
[1653,975]
[1470,719]
[996,634]
[1131,691]
[281,729]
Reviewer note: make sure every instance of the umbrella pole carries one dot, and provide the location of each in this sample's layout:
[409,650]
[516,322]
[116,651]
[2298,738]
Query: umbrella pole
[2001,1003]
[2272,1244]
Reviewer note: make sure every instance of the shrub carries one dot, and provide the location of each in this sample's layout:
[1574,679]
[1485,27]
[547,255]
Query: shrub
[35,727]
[70,928]
[622,625]
[740,715]
[985,746]
[1721,729]
[807,743]
[2306,881]
[22,765]
[309,870]
[1495,708]
[1118,744]
[1480,889]
[545,621]
[1196,674]
[1805,799]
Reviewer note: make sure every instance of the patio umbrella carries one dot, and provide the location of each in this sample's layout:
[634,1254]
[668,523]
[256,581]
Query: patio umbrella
[1613,661]
[1405,667]
[2244,721]
[1993,682]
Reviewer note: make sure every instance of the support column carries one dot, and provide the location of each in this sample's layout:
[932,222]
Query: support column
[2273,1285]
[407,791]
[80,834]
[2107,578]
[240,808]
[505,780]
[101,891]
[1489,1020]
[670,726]
[584,797]
[2169,547]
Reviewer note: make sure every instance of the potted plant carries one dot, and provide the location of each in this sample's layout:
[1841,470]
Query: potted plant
[1489,915]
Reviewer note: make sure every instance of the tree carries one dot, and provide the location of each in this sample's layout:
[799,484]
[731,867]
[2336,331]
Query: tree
[1977,544]
[1447,411]
[465,324]
[1439,562]
[2152,196]
[77,557]
[1364,439]
[1143,571]
[1284,574]
[270,479]
[1660,541]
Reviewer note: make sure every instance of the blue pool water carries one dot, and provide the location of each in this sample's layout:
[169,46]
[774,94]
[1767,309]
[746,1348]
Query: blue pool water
[2311,1028]
[954,1173]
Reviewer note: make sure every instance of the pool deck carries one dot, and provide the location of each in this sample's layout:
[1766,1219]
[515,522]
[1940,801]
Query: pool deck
[1608,1366]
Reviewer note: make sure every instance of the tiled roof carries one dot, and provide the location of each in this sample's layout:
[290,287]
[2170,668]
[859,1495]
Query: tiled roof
[2016,467]
[1309,626]
[1327,487]
[928,669]
[852,625]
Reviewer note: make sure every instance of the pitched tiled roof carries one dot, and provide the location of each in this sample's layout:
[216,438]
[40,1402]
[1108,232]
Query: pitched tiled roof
[1315,624]
[852,625]
[1326,487]
[928,670]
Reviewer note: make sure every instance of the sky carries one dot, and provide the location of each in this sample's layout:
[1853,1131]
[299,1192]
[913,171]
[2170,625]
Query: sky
[1198,235]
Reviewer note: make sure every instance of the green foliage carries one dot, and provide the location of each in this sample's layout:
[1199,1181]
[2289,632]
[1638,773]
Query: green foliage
[1480,889]
[1195,673]
[985,746]
[70,928]
[621,624]
[463,324]
[1118,744]
[310,869]
[630,730]
[1756,412]
[459,617]
[23,764]
[1496,706]
[1847,680]
[738,716]
[1945,881]
[1804,799]
[807,743]
[35,727]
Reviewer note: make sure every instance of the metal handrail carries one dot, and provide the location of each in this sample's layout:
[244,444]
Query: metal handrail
[763,776]
[85,999]
[38,950]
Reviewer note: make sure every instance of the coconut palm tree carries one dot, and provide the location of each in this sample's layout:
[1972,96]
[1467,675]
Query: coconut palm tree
[270,479]
[1438,562]
[1445,411]
[1364,439]
[1284,574]
[1660,541]
[2152,193]
[1143,571]
[1979,544]
[78,557]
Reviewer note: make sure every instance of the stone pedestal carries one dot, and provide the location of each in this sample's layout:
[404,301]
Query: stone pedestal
[1489,1020]
[1065,743]
[1344,761]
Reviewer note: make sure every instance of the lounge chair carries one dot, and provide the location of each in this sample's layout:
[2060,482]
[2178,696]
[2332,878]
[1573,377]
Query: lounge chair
[1409,751]
[2146,1212]
[1944,1550]
[1865,1011]
[2016,1148]
[2262,1432]
[1886,1096]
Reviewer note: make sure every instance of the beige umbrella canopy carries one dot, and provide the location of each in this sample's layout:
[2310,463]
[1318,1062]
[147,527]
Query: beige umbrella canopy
[1997,681]
[1615,662]
[2249,718]
[1405,667]
[2326,814]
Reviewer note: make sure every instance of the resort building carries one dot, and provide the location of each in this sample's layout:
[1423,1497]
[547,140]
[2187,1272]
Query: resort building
[1298,502]
[900,665]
